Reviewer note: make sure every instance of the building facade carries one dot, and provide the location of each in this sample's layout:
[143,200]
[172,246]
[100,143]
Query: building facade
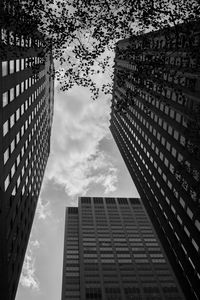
[26,111]
[111,251]
[155,121]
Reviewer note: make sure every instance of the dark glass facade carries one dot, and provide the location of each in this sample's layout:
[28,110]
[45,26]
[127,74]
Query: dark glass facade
[111,251]
[155,122]
[26,112]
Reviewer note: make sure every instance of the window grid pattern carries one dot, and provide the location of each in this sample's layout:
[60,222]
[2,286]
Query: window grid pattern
[119,253]
[27,110]
[156,130]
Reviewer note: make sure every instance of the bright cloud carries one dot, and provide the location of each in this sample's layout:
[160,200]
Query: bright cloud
[76,161]
[43,209]
[28,277]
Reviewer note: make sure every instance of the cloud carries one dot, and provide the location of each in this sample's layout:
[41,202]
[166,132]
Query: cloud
[28,277]
[43,209]
[109,181]
[76,161]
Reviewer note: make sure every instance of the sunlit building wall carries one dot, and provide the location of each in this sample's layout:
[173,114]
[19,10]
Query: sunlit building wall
[111,251]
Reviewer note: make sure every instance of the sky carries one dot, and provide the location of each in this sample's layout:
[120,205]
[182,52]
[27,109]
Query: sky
[84,161]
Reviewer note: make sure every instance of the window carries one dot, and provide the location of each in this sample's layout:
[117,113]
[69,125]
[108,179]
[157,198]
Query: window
[170,129]
[17,65]
[5,99]
[12,120]
[176,134]
[167,110]
[11,66]
[164,125]
[6,156]
[168,146]
[178,117]
[182,140]
[158,260]
[17,138]
[13,170]
[174,151]
[5,128]
[7,182]
[17,114]
[22,109]
[18,160]
[22,87]
[172,113]
[4,68]
[12,94]
[12,146]
[22,64]
[17,90]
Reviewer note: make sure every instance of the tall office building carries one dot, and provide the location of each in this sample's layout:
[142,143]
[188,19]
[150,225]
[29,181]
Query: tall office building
[155,121]
[111,251]
[26,91]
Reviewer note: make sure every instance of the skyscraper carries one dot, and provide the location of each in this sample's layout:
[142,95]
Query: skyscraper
[155,122]
[26,91]
[111,251]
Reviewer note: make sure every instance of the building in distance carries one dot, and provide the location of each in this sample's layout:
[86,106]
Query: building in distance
[111,251]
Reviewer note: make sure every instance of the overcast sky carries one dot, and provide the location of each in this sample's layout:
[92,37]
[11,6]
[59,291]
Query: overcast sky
[84,160]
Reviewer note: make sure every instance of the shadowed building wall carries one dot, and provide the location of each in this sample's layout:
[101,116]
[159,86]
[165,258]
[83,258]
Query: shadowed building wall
[26,111]
[155,121]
